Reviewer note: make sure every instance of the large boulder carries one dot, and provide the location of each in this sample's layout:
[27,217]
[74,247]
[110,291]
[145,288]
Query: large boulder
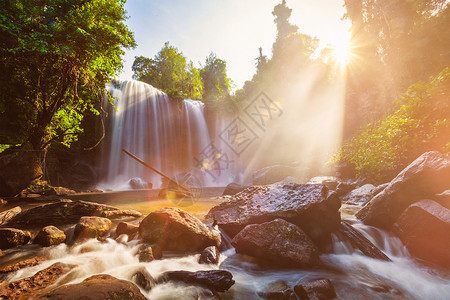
[91,227]
[26,288]
[216,280]
[310,206]
[18,170]
[429,174]
[360,196]
[97,287]
[65,212]
[424,227]
[317,289]
[175,229]
[11,237]
[21,264]
[278,242]
[7,215]
[50,236]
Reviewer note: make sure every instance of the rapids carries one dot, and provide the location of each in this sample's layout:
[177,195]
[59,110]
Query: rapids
[353,275]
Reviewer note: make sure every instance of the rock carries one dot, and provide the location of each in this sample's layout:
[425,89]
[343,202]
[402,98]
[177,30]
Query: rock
[318,289]
[359,241]
[379,188]
[65,212]
[97,287]
[11,237]
[7,215]
[233,188]
[61,191]
[209,255]
[216,280]
[143,279]
[279,290]
[145,253]
[277,242]
[344,188]
[307,205]
[127,228]
[28,287]
[18,170]
[21,264]
[50,236]
[276,173]
[359,196]
[137,183]
[91,227]
[429,174]
[174,229]
[424,227]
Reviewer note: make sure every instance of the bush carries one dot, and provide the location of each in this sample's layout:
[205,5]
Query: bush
[420,123]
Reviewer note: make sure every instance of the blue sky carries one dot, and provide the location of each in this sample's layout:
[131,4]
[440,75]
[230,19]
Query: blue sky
[233,29]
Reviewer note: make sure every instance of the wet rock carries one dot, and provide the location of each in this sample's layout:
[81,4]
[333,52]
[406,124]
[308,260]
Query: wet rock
[343,188]
[216,280]
[137,183]
[309,206]
[429,174]
[7,215]
[379,188]
[50,236]
[143,279]
[359,241]
[91,227]
[279,290]
[359,196]
[145,253]
[97,287]
[209,255]
[278,242]
[21,264]
[65,212]
[11,237]
[424,227]
[28,287]
[233,188]
[175,229]
[318,289]
[276,173]
[127,228]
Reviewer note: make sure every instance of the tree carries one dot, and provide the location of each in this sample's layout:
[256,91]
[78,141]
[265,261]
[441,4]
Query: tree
[216,84]
[170,72]
[55,58]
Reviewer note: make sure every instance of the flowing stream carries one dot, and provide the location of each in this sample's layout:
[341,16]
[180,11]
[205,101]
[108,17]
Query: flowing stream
[353,275]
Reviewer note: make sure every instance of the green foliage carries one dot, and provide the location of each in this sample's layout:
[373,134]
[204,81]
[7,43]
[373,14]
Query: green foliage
[421,123]
[170,72]
[216,84]
[55,57]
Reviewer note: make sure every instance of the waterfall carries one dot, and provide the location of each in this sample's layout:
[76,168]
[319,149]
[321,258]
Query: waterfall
[171,136]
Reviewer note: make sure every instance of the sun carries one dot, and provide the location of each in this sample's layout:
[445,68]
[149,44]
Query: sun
[342,51]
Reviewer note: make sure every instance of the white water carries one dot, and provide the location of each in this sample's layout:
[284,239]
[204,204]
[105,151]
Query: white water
[353,275]
[172,136]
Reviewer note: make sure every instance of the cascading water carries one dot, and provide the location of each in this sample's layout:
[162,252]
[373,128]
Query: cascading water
[171,136]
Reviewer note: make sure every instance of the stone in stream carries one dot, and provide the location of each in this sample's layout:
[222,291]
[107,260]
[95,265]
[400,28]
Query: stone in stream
[216,280]
[11,237]
[7,215]
[310,206]
[360,196]
[209,255]
[233,188]
[175,229]
[91,227]
[50,236]
[145,253]
[429,174]
[317,289]
[277,242]
[127,228]
[21,264]
[424,227]
[28,287]
[143,279]
[278,290]
[97,287]
[65,212]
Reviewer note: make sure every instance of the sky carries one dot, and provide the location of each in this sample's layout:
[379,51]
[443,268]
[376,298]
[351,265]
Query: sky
[232,29]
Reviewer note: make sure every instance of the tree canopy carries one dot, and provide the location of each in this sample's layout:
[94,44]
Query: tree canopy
[55,58]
